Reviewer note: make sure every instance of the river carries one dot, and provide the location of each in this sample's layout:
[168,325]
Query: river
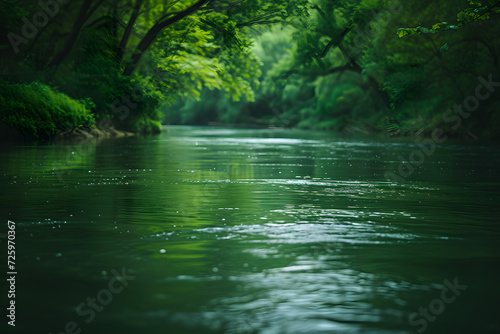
[219,230]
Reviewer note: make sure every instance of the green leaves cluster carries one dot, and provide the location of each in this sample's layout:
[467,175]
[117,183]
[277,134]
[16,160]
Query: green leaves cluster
[480,10]
[441,26]
[477,11]
[196,60]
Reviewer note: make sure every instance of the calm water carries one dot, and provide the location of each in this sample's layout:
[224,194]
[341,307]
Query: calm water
[251,231]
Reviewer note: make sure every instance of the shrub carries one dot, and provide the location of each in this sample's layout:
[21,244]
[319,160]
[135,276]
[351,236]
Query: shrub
[41,111]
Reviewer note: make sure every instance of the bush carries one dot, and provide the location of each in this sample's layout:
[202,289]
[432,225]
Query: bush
[39,110]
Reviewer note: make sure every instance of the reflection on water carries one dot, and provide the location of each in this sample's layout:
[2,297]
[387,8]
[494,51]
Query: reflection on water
[250,231]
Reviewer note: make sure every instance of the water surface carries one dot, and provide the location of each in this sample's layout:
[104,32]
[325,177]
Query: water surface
[253,231]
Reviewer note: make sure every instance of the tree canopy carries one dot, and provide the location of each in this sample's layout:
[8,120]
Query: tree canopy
[341,65]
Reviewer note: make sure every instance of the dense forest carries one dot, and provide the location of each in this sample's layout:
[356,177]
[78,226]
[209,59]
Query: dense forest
[403,68]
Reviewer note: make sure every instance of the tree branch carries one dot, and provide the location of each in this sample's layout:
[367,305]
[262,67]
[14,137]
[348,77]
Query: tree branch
[128,29]
[150,36]
[335,41]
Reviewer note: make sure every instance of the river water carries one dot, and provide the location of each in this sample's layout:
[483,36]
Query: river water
[217,230]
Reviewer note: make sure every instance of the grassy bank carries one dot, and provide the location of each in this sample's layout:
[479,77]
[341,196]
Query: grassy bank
[40,112]
[35,111]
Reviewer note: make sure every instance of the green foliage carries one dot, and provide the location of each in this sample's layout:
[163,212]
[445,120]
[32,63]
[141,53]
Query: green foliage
[442,26]
[426,74]
[130,102]
[478,11]
[192,70]
[320,64]
[207,49]
[40,111]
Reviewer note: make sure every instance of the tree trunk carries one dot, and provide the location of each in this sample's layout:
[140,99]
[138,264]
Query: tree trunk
[83,15]
[128,29]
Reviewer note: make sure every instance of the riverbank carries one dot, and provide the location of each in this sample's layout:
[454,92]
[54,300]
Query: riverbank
[79,134]
[37,112]
[10,134]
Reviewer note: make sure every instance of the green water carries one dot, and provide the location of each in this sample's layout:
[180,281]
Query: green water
[250,231]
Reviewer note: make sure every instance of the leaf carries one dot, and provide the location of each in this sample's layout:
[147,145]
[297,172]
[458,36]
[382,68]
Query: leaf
[444,48]
[406,31]
[425,30]
[439,25]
